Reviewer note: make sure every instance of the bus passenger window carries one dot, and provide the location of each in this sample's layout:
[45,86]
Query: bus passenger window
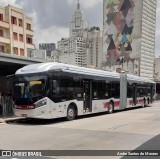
[106,91]
[55,87]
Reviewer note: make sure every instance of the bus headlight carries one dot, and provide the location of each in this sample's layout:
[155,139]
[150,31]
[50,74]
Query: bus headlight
[41,103]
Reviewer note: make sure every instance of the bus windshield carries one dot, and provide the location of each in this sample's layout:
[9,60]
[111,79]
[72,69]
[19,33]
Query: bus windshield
[29,86]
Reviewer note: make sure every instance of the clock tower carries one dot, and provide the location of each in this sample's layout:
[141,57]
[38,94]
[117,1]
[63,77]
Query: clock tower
[78,22]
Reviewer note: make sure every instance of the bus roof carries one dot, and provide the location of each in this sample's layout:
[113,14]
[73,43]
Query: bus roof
[44,67]
[139,79]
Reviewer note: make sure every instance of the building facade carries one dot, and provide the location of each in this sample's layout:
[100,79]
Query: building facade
[73,51]
[78,22]
[129,35]
[94,47]
[48,47]
[37,54]
[54,56]
[84,47]
[157,69]
[64,45]
[16,33]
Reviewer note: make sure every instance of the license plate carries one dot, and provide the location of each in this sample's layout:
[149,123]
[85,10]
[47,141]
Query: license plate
[24,115]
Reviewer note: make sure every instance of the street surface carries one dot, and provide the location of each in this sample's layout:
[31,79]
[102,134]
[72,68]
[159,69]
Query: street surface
[125,130]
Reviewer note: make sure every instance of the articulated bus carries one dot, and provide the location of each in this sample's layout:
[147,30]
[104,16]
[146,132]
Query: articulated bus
[54,90]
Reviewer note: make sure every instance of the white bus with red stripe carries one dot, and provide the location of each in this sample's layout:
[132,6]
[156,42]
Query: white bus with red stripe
[54,90]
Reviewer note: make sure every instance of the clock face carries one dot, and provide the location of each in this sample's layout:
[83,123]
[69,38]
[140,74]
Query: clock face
[78,22]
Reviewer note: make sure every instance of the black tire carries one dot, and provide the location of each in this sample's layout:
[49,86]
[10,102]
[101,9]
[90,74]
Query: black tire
[71,113]
[110,108]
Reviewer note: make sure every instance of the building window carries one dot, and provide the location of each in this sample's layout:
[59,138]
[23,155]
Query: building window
[21,37]
[15,50]
[28,26]
[1,33]
[1,48]
[15,37]
[136,66]
[29,40]
[22,52]
[1,17]
[20,22]
[13,20]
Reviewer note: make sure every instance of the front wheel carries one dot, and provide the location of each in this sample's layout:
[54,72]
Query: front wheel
[71,113]
[110,108]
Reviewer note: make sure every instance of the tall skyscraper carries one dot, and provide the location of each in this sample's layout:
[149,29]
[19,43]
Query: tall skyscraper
[129,35]
[94,46]
[84,47]
[78,22]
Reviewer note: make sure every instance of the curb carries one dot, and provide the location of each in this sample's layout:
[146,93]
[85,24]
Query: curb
[5,120]
[2,121]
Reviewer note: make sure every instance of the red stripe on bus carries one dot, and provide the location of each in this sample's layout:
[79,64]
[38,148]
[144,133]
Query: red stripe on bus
[106,105]
[140,101]
[131,102]
[116,103]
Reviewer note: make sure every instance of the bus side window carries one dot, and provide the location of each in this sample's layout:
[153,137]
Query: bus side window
[106,91]
[55,87]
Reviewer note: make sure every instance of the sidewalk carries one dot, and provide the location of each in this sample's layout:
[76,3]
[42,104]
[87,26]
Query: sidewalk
[7,119]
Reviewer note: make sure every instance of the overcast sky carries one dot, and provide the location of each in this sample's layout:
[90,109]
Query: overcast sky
[51,18]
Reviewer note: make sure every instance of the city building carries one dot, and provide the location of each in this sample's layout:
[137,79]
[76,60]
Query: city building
[16,33]
[37,54]
[64,45]
[84,47]
[129,36]
[54,56]
[78,22]
[49,47]
[94,46]
[157,69]
[73,51]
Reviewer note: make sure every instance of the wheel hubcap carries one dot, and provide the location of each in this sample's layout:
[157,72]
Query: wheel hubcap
[110,108]
[71,113]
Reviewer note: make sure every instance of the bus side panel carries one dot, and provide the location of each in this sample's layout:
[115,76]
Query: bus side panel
[60,109]
[123,91]
[102,105]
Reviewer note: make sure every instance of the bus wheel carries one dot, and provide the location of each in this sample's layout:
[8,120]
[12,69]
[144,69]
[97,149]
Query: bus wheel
[110,108]
[71,113]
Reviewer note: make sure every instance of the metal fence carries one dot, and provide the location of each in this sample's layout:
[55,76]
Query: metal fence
[6,105]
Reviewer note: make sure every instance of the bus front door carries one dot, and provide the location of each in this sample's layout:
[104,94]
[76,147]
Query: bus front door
[87,96]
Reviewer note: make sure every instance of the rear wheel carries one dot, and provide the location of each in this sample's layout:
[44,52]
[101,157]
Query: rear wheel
[110,108]
[71,113]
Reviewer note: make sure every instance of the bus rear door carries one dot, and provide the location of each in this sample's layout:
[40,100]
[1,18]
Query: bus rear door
[135,94]
[87,95]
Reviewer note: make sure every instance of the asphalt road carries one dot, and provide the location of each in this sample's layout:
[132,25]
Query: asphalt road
[134,129]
